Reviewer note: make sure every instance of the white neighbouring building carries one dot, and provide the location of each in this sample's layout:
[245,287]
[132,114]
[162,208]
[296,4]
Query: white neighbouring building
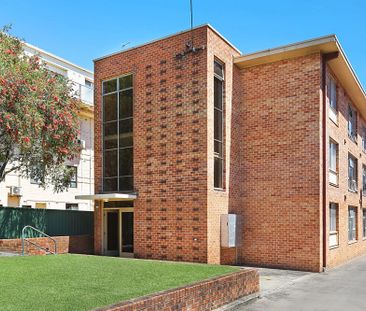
[19,192]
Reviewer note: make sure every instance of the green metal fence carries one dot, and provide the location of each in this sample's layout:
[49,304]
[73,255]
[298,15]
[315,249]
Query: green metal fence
[52,222]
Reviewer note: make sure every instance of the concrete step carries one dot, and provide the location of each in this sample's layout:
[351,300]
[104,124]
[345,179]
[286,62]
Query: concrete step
[8,254]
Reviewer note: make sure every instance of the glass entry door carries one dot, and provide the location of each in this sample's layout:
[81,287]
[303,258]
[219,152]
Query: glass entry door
[126,233]
[118,232]
[112,220]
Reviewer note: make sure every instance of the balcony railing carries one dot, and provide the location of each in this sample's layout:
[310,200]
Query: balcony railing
[84,93]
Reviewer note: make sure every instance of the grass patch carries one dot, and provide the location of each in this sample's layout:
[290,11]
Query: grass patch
[77,282]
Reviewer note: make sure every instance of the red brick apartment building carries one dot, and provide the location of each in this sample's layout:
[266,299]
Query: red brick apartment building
[188,130]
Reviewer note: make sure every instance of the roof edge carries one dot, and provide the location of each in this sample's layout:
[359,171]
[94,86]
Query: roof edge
[286,48]
[166,37]
[56,57]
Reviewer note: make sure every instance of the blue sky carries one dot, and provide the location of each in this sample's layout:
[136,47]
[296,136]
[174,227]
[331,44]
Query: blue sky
[80,31]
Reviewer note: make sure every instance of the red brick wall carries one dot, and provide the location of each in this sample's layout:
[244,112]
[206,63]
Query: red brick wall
[339,133]
[280,164]
[170,146]
[217,200]
[79,244]
[205,295]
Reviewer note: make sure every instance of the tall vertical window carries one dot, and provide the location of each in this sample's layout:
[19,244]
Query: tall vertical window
[218,124]
[333,224]
[118,134]
[332,99]
[364,223]
[352,123]
[352,224]
[333,162]
[364,138]
[352,173]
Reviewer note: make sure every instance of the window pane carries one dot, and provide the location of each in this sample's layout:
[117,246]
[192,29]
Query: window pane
[126,161]
[125,183]
[125,104]
[218,93]
[333,217]
[110,184]
[333,156]
[125,126]
[110,107]
[109,86]
[219,69]
[333,94]
[218,147]
[125,82]
[218,125]
[218,173]
[110,135]
[110,163]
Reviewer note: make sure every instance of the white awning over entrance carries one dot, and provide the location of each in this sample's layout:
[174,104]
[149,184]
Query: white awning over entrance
[108,197]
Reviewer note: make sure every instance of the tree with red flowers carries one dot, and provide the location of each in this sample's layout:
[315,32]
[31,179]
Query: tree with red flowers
[38,118]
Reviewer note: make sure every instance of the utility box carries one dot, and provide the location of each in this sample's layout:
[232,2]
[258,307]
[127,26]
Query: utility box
[230,230]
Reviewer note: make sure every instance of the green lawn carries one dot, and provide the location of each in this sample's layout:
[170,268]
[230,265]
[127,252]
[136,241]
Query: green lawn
[77,282]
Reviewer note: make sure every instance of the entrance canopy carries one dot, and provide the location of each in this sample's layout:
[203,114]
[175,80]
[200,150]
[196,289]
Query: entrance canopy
[108,197]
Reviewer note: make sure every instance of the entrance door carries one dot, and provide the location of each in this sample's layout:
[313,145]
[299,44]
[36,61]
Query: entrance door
[126,233]
[112,229]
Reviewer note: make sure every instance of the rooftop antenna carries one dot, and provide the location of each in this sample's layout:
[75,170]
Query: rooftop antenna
[125,44]
[190,48]
[191,15]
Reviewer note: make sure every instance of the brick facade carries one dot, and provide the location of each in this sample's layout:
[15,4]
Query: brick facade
[273,166]
[203,296]
[341,195]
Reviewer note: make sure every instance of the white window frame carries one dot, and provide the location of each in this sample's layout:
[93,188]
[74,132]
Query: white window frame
[352,182]
[333,162]
[352,224]
[332,99]
[333,225]
[352,123]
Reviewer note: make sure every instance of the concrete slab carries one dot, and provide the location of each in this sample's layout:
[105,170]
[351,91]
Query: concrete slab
[340,289]
[8,254]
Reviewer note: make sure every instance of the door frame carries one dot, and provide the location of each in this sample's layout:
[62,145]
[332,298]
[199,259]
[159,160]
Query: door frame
[105,231]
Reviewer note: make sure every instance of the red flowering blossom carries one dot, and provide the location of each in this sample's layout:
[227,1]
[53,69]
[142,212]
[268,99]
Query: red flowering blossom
[42,128]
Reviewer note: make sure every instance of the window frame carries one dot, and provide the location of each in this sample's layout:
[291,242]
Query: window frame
[352,237]
[352,188]
[73,183]
[219,156]
[72,205]
[335,232]
[118,120]
[352,135]
[331,170]
[332,91]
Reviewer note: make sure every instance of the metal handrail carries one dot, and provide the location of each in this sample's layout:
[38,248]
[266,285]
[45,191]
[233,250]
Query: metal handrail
[24,239]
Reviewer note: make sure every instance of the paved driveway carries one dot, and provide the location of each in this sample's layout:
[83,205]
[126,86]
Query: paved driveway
[341,289]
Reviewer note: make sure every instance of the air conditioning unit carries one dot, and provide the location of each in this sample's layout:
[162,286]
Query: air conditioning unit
[15,191]
[81,142]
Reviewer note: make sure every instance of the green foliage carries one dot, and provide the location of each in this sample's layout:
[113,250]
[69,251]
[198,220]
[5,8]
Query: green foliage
[74,282]
[38,117]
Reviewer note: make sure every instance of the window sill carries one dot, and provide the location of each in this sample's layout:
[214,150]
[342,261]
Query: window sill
[352,242]
[353,191]
[335,122]
[333,247]
[353,139]
[335,185]
[219,189]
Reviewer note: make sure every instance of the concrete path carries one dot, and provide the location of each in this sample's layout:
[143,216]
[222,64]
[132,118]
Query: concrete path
[341,289]
[8,254]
